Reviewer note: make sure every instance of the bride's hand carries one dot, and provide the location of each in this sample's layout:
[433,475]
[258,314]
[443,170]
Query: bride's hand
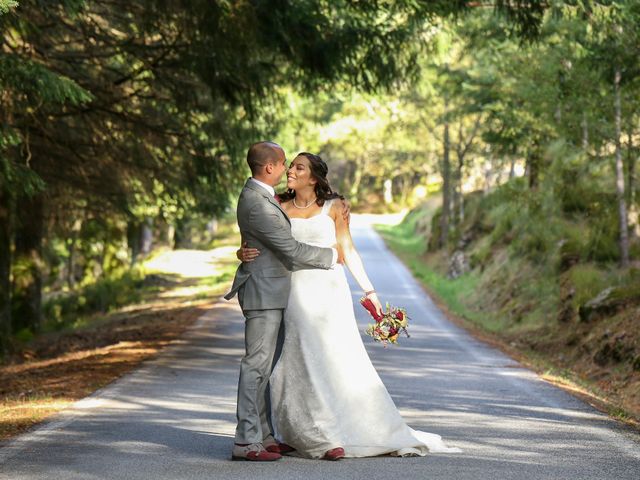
[246,254]
[376,302]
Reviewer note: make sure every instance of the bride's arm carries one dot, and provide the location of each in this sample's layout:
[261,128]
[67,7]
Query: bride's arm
[352,260]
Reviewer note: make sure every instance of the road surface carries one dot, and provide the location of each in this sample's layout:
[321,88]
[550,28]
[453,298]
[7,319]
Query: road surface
[174,417]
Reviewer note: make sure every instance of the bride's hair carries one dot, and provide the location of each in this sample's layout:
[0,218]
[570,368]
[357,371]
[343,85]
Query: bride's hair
[319,172]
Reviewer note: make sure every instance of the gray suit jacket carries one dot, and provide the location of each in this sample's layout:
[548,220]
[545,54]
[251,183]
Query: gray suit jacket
[265,283]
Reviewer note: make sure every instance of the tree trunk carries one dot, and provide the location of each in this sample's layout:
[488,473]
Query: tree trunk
[5,271]
[182,235]
[558,113]
[631,169]
[27,282]
[631,185]
[456,187]
[622,207]
[71,265]
[533,165]
[561,81]
[146,236]
[72,243]
[585,132]
[133,240]
[488,174]
[360,166]
[456,201]
[387,191]
[464,144]
[105,258]
[460,192]
[446,183]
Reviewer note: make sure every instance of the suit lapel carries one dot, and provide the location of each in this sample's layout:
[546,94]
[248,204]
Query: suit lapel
[257,188]
[277,204]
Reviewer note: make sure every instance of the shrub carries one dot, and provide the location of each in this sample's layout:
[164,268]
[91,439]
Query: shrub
[588,280]
[101,296]
[602,244]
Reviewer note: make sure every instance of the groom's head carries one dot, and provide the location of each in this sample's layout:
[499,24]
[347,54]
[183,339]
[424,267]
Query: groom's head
[267,162]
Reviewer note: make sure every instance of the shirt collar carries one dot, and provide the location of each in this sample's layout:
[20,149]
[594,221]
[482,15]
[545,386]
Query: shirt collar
[268,188]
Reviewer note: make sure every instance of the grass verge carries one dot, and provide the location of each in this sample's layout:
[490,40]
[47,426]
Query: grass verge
[452,297]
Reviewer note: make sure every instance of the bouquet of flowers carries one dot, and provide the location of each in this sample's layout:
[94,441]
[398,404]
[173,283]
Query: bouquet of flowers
[387,326]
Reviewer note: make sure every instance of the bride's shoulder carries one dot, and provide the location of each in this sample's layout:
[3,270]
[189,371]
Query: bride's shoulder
[334,208]
[330,205]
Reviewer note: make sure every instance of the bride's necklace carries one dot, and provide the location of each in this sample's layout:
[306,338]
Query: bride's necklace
[306,206]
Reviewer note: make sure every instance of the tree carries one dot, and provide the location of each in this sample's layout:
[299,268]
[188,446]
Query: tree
[613,50]
[125,112]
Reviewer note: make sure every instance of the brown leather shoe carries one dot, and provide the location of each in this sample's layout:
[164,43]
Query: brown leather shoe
[254,452]
[281,448]
[334,454]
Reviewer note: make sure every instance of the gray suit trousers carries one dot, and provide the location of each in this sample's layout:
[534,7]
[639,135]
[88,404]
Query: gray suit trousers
[261,343]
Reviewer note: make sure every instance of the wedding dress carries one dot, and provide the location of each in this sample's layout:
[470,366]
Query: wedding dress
[325,392]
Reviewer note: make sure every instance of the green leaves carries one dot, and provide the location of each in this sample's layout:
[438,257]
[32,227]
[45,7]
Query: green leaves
[36,84]
[7,5]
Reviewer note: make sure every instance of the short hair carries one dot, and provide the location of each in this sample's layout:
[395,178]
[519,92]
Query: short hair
[262,153]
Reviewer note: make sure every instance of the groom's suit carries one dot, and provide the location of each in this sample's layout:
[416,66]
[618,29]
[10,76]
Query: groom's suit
[263,292]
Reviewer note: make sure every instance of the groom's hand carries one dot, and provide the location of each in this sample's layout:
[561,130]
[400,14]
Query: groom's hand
[346,211]
[246,254]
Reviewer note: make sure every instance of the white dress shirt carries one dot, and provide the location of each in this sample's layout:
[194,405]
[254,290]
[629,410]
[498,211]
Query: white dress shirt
[268,188]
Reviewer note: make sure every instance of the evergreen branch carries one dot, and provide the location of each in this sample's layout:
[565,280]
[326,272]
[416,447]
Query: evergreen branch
[6,5]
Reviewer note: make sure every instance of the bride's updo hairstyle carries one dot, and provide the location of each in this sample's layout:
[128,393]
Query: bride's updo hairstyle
[319,172]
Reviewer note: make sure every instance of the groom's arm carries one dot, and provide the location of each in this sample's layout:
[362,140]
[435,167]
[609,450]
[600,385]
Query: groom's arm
[270,227]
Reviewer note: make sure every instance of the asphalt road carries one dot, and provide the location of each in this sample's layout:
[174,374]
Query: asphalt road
[174,417]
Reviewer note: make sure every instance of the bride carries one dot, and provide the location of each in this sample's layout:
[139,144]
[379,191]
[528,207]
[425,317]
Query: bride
[328,399]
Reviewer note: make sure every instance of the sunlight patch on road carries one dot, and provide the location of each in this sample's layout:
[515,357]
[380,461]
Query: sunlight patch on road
[138,447]
[367,219]
[194,292]
[191,263]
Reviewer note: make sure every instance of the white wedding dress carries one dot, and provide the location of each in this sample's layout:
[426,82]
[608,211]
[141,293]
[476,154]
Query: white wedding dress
[325,393]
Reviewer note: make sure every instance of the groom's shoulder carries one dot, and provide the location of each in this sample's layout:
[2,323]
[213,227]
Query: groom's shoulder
[249,194]
[252,200]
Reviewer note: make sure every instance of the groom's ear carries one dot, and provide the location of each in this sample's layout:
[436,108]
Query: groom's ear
[268,168]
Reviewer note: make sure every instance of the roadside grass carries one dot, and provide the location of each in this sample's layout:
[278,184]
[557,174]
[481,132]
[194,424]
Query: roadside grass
[410,248]
[498,307]
[20,413]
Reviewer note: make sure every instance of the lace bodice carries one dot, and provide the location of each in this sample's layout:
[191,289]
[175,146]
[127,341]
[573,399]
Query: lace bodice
[319,230]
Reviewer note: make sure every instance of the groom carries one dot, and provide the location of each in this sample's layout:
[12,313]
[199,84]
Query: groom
[263,287]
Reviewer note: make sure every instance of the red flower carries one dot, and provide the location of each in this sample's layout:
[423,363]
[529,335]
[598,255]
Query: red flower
[387,324]
[371,308]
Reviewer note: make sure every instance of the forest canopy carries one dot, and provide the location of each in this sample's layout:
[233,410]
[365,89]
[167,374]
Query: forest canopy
[121,120]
